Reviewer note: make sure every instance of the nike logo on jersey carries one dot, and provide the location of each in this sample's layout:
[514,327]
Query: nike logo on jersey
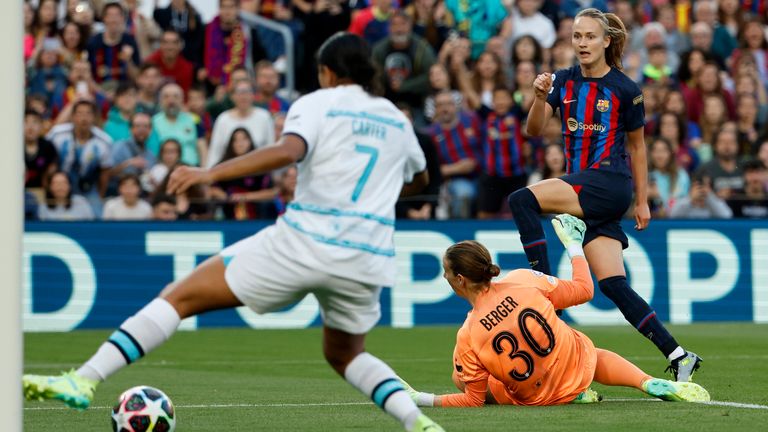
[566,102]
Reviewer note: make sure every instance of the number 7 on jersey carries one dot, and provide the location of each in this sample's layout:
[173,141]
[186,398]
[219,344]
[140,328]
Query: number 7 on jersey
[373,154]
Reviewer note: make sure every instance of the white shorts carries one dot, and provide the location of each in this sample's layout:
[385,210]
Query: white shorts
[265,276]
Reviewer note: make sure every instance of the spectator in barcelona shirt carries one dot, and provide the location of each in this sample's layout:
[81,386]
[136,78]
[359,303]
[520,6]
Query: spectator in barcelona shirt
[113,54]
[504,162]
[267,84]
[196,106]
[81,86]
[171,63]
[256,120]
[118,121]
[181,16]
[40,156]
[61,203]
[372,23]
[131,156]
[173,122]
[405,59]
[128,205]
[84,152]
[229,44]
[457,137]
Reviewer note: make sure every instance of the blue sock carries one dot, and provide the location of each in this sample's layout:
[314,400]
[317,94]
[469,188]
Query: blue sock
[526,211]
[638,313]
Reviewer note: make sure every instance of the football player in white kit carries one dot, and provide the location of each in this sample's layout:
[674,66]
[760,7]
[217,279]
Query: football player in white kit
[356,153]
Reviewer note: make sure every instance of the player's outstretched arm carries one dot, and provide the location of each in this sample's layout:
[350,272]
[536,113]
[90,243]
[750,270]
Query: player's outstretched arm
[288,150]
[570,230]
[473,396]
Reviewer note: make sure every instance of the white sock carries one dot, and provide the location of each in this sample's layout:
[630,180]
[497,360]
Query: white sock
[137,336]
[677,353]
[379,382]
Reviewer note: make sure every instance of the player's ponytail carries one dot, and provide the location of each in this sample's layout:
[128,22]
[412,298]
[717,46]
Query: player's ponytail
[349,57]
[473,261]
[614,28]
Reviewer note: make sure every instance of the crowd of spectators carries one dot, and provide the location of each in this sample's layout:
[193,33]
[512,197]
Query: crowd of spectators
[116,100]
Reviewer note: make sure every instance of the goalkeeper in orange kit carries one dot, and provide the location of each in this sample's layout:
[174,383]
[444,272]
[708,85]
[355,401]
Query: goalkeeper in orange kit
[514,350]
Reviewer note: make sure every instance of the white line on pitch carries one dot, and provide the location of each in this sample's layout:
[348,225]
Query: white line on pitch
[321,404]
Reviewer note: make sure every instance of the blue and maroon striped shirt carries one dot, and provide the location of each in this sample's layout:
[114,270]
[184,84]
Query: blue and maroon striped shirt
[503,146]
[463,141]
[596,113]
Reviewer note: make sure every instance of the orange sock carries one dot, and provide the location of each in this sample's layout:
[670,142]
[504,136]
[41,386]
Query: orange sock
[614,370]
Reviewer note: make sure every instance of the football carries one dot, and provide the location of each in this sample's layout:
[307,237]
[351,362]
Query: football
[143,409]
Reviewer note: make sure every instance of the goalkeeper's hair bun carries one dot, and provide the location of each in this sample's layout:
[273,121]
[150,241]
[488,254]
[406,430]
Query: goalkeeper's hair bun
[472,260]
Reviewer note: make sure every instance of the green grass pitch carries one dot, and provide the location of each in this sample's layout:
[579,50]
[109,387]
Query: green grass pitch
[276,380]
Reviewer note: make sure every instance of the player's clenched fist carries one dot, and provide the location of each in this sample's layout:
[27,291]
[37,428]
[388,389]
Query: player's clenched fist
[542,84]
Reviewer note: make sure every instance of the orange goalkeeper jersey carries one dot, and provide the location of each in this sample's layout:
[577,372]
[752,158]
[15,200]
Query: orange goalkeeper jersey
[513,344]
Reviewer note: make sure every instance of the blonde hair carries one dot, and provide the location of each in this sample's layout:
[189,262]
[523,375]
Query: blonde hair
[614,29]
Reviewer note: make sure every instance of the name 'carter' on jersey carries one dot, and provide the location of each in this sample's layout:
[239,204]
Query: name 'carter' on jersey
[596,114]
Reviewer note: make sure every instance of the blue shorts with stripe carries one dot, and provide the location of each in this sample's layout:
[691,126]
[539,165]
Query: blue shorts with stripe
[604,196]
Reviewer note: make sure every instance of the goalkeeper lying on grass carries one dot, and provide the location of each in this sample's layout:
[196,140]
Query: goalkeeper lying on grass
[514,350]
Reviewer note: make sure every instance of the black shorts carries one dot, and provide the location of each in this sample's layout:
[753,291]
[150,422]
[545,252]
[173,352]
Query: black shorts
[493,191]
[604,197]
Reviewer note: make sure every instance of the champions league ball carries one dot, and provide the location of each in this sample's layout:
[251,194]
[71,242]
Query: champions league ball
[143,409]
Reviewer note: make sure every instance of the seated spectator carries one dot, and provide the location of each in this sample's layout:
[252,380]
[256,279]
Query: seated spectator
[81,87]
[708,83]
[525,19]
[722,42]
[285,188]
[431,21]
[170,156]
[131,156]
[372,23]
[525,74]
[82,13]
[164,208]
[267,84]
[29,30]
[723,170]
[194,204]
[113,54]
[752,201]
[148,83]
[119,118]
[241,196]
[45,21]
[84,153]
[405,59]
[181,15]
[691,63]
[746,123]
[46,75]
[667,16]
[256,120]
[74,40]
[171,63]
[712,119]
[563,55]
[487,76]
[222,99]
[748,83]
[40,156]
[228,43]
[667,181]
[144,29]
[674,102]
[752,43]
[455,57]
[478,21]
[657,69]
[128,205]
[196,101]
[439,80]
[61,204]
[172,122]
[527,48]
[457,137]
[671,127]
[701,203]
[504,163]
[422,207]
[553,166]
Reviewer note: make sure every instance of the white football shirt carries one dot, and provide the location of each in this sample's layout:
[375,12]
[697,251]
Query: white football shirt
[360,151]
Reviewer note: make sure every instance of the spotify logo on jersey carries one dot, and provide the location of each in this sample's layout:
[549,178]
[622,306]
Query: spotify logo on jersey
[572,124]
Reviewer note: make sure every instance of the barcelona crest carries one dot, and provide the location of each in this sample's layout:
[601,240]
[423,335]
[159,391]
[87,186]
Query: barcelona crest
[603,105]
